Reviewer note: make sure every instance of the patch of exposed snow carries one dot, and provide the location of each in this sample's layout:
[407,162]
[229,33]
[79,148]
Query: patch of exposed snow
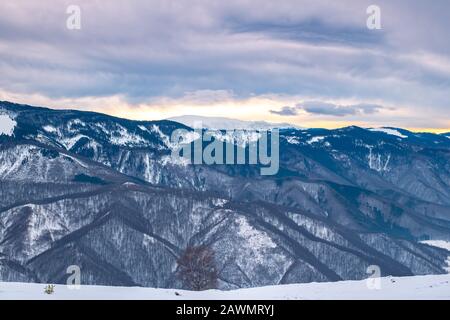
[75,159]
[389,131]
[41,222]
[292,140]
[165,139]
[73,122]
[438,243]
[11,161]
[151,172]
[148,241]
[190,137]
[187,138]
[49,129]
[443,245]
[378,162]
[220,202]
[122,137]
[179,161]
[241,138]
[68,143]
[315,139]
[101,127]
[41,138]
[7,125]
[255,239]
[318,229]
[119,135]
[143,128]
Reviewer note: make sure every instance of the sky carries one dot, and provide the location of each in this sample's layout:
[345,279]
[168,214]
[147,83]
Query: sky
[310,63]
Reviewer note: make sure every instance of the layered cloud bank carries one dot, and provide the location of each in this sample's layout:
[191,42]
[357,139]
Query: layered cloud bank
[312,63]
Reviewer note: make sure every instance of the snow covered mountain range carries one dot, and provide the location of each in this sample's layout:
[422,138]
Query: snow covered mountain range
[87,189]
[228,123]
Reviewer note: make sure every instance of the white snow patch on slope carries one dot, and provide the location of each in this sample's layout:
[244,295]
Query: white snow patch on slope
[75,122]
[220,202]
[190,137]
[75,160]
[42,222]
[122,137]
[438,243]
[292,140]
[443,245]
[431,287]
[187,138]
[241,138]
[389,131]
[165,139]
[148,241]
[315,139]
[49,129]
[143,128]
[11,162]
[257,240]
[70,142]
[377,161]
[7,125]
[39,224]
[318,229]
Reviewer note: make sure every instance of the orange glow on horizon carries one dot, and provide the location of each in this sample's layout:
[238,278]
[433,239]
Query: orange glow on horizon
[252,109]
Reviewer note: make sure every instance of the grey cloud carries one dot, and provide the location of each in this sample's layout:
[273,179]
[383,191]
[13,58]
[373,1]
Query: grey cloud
[367,108]
[324,108]
[145,49]
[285,111]
[330,109]
[315,32]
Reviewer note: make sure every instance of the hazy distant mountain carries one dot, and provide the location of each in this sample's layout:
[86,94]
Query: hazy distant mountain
[228,123]
[100,192]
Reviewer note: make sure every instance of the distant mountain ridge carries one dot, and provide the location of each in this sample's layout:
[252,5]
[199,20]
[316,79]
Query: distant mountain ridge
[102,193]
[221,123]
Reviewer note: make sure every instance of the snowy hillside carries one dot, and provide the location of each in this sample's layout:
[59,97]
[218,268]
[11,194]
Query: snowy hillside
[440,244]
[410,288]
[6,125]
[88,189]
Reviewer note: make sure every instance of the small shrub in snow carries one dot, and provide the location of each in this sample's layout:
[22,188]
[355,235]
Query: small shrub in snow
[49,289]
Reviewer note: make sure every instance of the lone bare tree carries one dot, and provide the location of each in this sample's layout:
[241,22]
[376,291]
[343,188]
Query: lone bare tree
[197,268]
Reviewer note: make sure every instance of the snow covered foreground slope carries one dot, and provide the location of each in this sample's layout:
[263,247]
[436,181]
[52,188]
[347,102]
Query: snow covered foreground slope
[433,287]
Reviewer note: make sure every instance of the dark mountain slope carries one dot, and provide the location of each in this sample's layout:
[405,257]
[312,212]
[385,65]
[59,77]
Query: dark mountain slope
[103,193]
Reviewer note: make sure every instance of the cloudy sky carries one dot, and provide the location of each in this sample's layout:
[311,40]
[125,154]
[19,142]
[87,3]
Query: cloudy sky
[311,63]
